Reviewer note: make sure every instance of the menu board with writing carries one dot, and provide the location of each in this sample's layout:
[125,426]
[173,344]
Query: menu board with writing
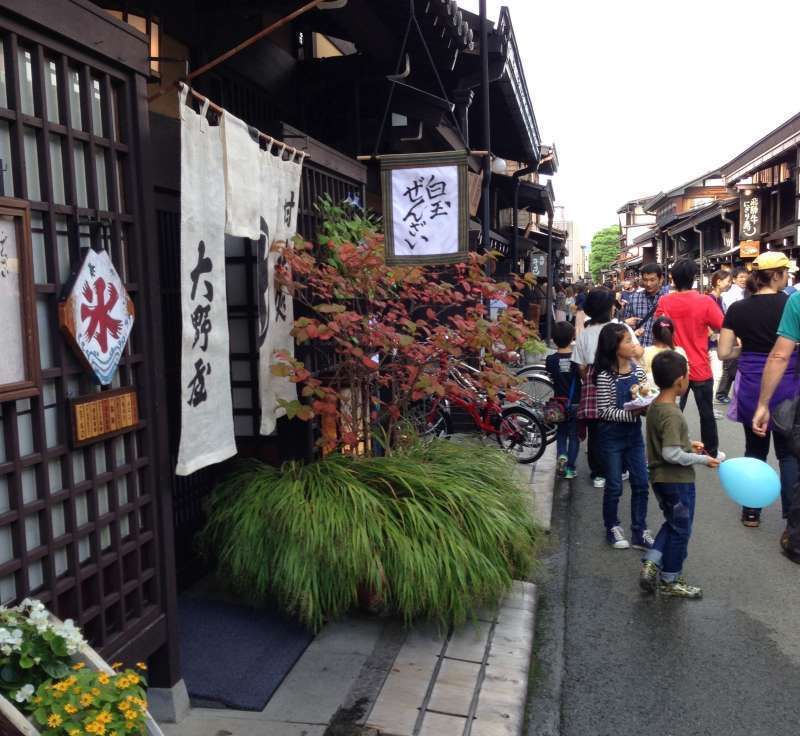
[103,415]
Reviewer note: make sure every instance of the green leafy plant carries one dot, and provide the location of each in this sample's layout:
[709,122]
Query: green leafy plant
[33,648]
[344,222]
[605,249]
[91,702]
[435,530]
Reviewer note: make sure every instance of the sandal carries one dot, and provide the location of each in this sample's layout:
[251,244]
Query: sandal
[751,518]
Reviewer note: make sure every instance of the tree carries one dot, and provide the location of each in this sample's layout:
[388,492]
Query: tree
[392,329]
[605,249]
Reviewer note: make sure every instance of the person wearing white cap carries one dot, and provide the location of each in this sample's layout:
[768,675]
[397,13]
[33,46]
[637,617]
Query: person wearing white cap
[755,323]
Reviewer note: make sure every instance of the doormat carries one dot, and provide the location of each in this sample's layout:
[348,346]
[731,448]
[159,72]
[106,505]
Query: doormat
[235,655]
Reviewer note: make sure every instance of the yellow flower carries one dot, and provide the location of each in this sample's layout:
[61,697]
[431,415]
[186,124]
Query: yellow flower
[116,665]
[122,683]
[37,699]
[141,666]
[133,679]
[103,679]
[86,700]
[69,708]
[79,666]
[62,687]
[55,720]
[104,717]
[96,691]
[74,732]
[129,725]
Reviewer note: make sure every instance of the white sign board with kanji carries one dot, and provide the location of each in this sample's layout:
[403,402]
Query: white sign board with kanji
[426,207]
[98,315]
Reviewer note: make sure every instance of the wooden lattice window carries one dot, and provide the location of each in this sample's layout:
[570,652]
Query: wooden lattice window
[77,526]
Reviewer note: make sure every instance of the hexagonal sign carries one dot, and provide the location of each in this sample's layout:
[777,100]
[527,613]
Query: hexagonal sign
[97,316]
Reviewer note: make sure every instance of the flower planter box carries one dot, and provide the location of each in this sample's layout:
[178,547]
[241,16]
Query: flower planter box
[13,721]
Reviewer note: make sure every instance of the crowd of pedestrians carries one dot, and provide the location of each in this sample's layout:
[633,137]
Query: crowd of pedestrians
[649,340]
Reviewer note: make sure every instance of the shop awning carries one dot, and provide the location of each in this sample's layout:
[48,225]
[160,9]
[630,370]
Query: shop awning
[702,214]
[538,198]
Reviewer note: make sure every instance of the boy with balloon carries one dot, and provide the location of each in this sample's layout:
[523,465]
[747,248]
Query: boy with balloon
[671,458]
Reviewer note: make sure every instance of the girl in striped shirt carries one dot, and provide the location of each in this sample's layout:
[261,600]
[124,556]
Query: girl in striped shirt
[621,442]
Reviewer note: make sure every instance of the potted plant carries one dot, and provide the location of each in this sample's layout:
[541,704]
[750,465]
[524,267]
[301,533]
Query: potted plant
[53,684]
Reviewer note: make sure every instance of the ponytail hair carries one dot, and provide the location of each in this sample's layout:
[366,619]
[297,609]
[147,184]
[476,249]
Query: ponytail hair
[664,331]
[761,278]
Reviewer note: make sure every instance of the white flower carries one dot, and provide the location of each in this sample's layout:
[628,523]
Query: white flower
[10,640]
[71,634]
[24,693]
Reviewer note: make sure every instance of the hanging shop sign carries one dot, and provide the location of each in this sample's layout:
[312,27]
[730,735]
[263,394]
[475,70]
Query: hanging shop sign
[19,367]
[207,434]
[425,207]
[749,248]
[539,265]
[97,316]
[103,415]
[750,214]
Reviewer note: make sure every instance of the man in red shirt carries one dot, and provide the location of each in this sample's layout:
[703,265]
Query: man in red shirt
[693,314]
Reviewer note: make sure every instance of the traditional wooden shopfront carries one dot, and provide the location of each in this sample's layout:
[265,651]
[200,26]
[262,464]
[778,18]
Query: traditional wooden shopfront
[87,529]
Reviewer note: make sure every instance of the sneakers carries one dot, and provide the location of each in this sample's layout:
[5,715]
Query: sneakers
[751,517]
[642,540]
[599,482]
[648,576]
[626,475]
[680,589]
[561,464]
[569,473]
[723,400]
[616,538]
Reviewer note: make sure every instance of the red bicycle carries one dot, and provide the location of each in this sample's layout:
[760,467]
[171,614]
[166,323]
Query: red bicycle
[518,430]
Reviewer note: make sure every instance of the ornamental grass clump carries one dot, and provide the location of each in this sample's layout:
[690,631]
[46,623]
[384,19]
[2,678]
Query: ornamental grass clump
[435,530]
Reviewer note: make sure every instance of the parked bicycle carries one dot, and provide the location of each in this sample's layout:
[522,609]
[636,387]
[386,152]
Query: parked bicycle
[516,426]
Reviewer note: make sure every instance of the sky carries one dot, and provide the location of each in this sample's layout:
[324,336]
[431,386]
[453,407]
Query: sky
[640,97]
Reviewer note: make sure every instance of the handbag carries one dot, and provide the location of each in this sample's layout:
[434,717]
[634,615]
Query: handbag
[785,418]
[557,409]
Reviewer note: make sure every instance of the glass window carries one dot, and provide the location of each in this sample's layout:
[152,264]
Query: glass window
[75,113]
[6,163]
[81,510]
[51,92]
[60,561]
[4,504]
[43,322]
[25,430]
[120,180]
[102,179]
[115,113]
[59,520]
[79,154]
[97,109]
[8,589]
[100,458]
[26,81]
[28,485]
[54,476]
[35,575]
[32,164]
[62,249]
[3,90]
[57,169]
[6,545]
[37,241]
[33,534]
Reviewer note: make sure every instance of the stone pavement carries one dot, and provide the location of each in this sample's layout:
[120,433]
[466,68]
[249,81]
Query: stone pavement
[370,676]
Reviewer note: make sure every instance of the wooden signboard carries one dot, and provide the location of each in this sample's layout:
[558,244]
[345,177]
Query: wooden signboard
[749,248]
[425,207]
[97,316]
[103,415]
[19,367]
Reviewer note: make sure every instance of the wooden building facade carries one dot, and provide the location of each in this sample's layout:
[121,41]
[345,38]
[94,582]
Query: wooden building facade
[103,532]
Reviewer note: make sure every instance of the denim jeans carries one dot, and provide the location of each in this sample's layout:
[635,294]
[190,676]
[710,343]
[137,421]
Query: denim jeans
[567,442]
[622,446]
[672,541]
[704,398]
[758,447]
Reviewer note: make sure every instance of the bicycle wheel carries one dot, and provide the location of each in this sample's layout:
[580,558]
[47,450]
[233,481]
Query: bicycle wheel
[522,434]
[537,387]
[431,424]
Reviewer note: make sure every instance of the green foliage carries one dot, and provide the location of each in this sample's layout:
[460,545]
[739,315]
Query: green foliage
[33,648]
[436,530]
[605,249]
[344,222]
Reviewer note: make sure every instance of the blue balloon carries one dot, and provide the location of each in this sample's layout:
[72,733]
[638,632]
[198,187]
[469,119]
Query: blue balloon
[750,482]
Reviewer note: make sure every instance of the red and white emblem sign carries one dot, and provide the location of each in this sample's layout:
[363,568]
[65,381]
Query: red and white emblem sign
[97,316]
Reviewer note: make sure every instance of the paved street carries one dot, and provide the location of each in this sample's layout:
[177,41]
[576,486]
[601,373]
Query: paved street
[729,664]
